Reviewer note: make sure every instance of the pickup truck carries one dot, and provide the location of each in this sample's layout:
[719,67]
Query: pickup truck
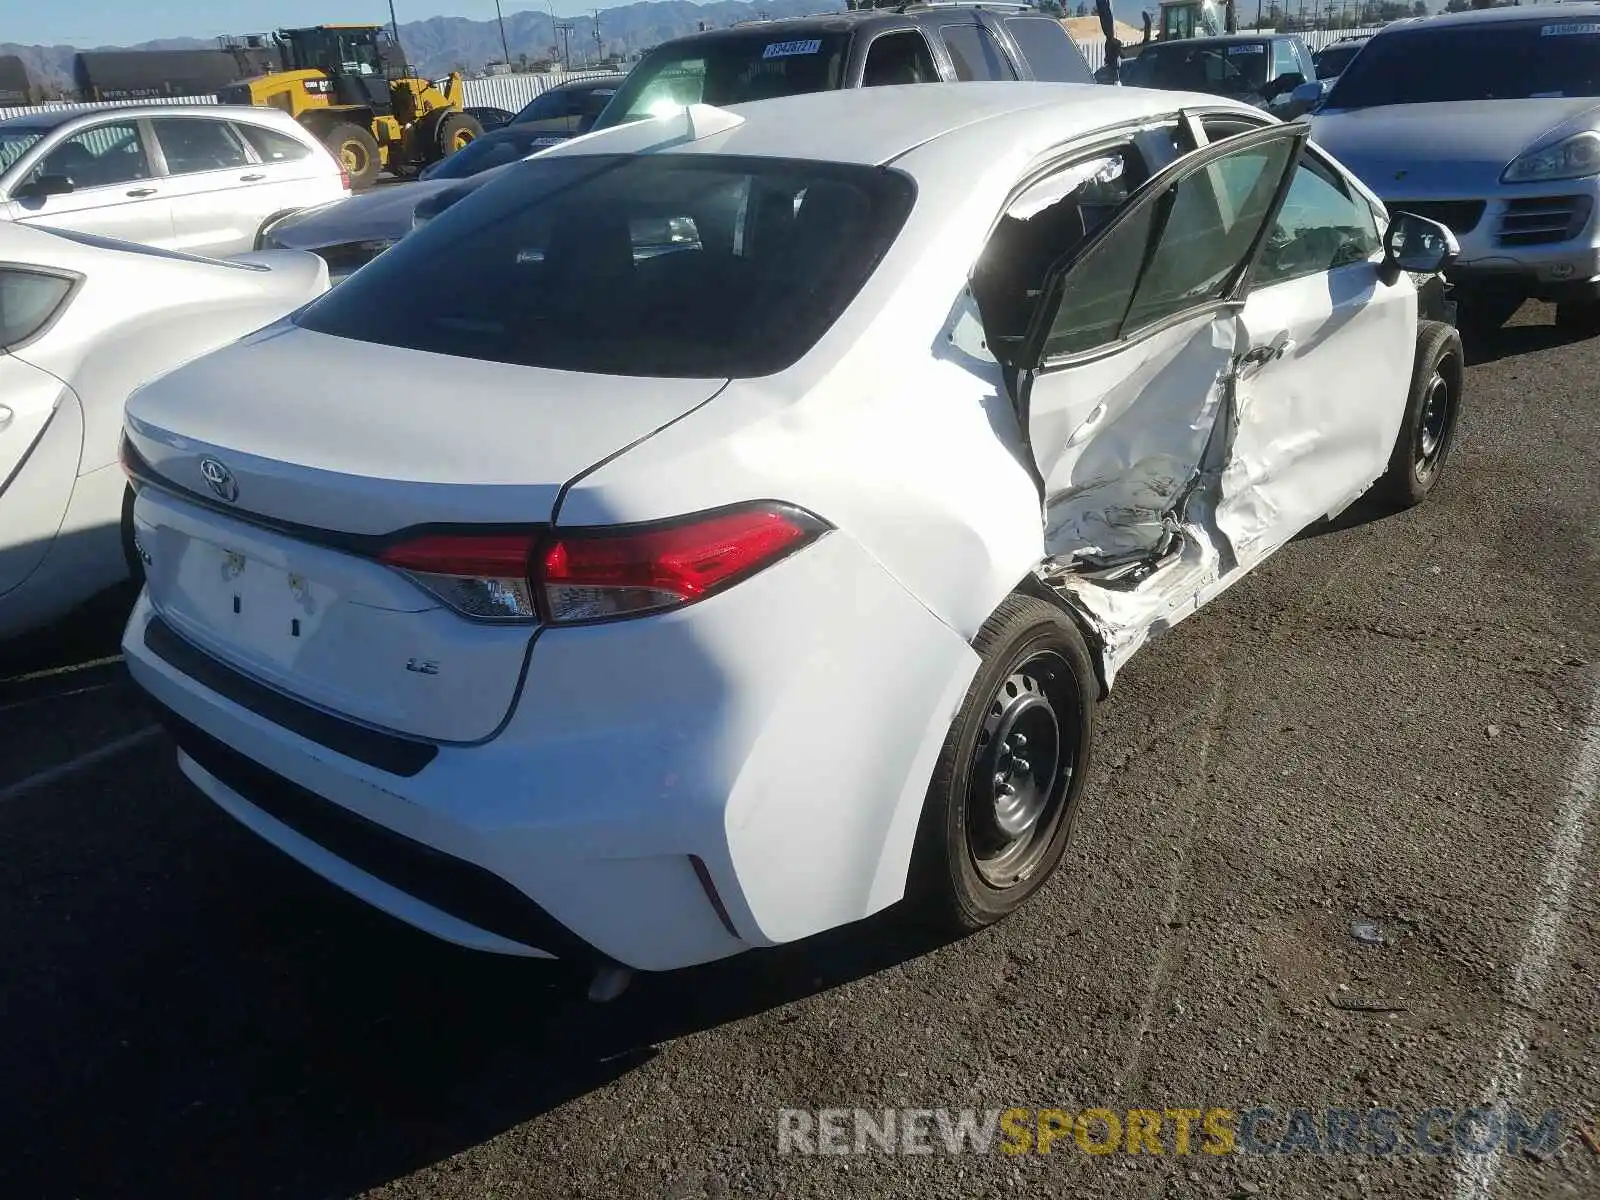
[912,43]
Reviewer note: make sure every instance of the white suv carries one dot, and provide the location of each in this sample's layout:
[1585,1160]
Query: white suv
[190,178]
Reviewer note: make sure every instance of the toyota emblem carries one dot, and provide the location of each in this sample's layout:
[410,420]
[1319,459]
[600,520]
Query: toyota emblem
[219,479]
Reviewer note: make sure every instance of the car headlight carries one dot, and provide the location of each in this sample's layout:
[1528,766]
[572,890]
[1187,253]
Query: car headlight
[1568,159]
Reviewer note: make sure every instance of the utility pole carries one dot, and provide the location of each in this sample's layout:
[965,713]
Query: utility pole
[599,44]
[564,28]
[504,45]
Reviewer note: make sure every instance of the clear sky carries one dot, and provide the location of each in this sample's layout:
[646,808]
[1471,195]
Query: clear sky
[122,22]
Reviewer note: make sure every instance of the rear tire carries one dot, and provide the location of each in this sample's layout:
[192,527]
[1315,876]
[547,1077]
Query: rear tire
[357,152]
[455,131]
[1428,429]
[1579,319]
[1004,796]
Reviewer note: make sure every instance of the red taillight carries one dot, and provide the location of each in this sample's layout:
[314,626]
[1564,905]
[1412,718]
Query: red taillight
[609,573]
[594,574]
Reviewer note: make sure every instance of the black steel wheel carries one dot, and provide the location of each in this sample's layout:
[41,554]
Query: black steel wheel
[1428,427]
[1003,799]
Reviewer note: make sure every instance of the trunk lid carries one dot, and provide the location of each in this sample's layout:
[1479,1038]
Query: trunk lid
[267,563]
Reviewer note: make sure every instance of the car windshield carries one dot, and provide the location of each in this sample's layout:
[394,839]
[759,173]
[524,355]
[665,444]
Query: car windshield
[729,70]
[1218,68]
[504,146]
[14,144]
[1334,60]
[1502,60]
[655,265]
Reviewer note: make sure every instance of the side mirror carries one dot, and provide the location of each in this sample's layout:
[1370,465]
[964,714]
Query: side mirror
[1289,80]
[45,186]
[1309,94]
[1417,245]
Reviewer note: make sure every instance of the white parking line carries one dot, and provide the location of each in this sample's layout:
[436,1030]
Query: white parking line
[99,754]
[1476,1174]
[69,670]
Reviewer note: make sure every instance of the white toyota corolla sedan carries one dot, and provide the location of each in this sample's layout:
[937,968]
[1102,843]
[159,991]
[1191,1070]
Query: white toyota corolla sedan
[735,534]
[83,321]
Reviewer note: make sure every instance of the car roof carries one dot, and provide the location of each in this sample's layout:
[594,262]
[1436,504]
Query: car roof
[846,22]
[52,119]
[1494,16]
[1221,39]
[873,126]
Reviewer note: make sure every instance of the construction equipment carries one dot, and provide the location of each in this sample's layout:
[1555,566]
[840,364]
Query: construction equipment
[1195,18]
[351,86]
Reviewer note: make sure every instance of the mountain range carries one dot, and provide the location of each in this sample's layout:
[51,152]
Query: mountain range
[438,44]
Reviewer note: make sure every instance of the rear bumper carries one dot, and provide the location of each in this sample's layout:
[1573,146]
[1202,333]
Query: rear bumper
[669,791]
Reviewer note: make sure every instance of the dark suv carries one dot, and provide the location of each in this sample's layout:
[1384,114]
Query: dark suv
[914,43]
[1260,69]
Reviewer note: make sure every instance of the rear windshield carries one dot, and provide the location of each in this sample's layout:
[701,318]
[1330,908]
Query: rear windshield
[1219,68]
[724,71]
[658,265]
[1502,60]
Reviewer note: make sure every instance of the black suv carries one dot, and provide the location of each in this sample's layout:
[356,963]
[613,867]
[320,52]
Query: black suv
[1260,69]
[913,43]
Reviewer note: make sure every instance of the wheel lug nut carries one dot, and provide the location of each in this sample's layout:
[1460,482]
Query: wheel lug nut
[1005,789]
[1018,741]
[1020,766]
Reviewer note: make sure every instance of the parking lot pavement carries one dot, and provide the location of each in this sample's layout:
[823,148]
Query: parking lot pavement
[1388,724]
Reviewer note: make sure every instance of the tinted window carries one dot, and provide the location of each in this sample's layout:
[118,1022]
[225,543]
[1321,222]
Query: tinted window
[29,300]
[1213,67]
[899,58]
[193,144]
[728,70]
[1203,227]
[1506,60]
[1321,227]
[98,157]
[667,265]
[546,106]
[1049,51]
[1212,220]
[270,145]
[974,53]
[504,147]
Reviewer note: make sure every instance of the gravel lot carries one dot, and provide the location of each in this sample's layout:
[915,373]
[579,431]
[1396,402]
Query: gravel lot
[1386,723]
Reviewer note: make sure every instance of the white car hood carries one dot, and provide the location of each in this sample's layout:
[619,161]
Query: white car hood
[379,215]
[1462,148]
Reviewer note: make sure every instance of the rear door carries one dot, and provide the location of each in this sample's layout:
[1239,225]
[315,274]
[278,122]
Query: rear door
[217,204]
[116,188]
[288,173]
[1127,365]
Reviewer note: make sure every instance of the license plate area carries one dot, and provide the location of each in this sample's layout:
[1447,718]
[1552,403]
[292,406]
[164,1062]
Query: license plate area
[252,602]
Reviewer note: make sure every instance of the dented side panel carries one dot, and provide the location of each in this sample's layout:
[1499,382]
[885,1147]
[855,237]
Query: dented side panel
[1313,424]
[1118,440]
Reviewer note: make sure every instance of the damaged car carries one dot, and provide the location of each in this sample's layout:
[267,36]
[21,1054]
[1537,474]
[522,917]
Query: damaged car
[810,470]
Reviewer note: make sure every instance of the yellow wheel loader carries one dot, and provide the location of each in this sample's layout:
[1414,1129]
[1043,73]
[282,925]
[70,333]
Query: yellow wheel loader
[349,84]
